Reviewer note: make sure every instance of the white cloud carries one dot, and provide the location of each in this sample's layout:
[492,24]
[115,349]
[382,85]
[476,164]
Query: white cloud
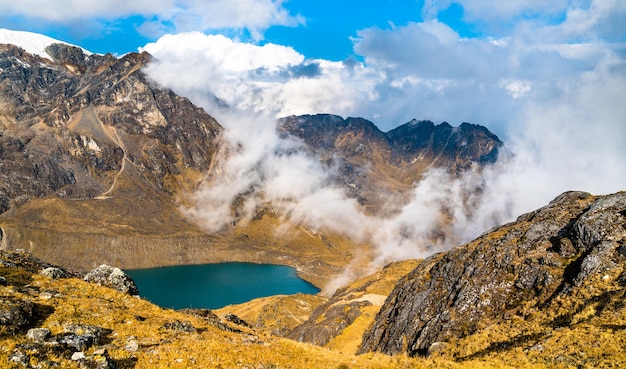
[162,15]
[600,20]
[272,79]
[70,10]
[516,88]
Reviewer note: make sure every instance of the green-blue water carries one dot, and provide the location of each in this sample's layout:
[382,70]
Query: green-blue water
[213,286]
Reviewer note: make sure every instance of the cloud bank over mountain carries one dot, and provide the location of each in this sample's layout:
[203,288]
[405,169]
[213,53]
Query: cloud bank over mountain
[557,103]
[547,77]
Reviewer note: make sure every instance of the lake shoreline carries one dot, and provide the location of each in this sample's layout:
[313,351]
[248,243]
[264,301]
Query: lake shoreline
[215,285]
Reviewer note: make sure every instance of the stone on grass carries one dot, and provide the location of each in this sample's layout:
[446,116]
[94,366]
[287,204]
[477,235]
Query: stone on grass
[54,273]
[112,277]
[38,334]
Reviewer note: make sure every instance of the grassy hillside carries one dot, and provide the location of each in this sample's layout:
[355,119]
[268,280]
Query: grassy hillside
[138,334]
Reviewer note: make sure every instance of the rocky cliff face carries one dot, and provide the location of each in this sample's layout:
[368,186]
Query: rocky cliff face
[72,124]
[373,165]
[560,266]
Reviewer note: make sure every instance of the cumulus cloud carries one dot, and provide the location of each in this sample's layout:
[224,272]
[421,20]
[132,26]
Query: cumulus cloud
[162,16]
[272,79]
[555,98]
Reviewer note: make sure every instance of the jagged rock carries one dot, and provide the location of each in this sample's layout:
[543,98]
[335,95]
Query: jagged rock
[54,273]
[81,337]
[77,342]
[112,277]
[517,266]
[237,320]
[38,334]
[16,314]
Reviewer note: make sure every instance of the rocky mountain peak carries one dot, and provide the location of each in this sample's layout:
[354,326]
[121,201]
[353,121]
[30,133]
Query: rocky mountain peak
[445,145]
[70,123]
[374,165]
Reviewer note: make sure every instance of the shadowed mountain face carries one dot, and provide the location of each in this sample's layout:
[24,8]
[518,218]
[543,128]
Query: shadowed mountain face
[374,165]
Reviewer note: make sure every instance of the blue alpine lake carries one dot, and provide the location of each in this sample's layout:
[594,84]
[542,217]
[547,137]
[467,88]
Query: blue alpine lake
[212,286]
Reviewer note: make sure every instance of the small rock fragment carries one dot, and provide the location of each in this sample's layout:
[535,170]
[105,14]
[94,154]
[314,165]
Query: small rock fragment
[54,273]
[19,357]
[132,344]
[78,356]
[38,334]
[437,348]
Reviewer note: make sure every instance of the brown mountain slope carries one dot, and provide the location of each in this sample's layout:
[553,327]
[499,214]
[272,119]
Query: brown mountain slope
[95,161]
[550,286]
[72,125]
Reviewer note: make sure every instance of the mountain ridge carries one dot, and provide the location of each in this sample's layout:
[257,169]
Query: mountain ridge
[561,266]
[374,166]
[94,156]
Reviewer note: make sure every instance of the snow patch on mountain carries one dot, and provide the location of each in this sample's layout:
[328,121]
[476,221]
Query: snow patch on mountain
[32,43]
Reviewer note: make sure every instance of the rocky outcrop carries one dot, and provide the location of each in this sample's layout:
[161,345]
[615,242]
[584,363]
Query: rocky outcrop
[15,315]
[112,277]
[71,344]
[551,264]
[327,322]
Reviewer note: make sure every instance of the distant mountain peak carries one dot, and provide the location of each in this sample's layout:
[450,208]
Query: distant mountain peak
[33,43]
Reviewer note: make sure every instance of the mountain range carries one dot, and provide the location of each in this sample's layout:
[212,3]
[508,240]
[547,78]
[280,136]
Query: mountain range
[99,161]
[100,164]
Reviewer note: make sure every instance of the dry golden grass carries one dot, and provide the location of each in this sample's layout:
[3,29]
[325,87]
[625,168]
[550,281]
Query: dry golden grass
[595,336]
[131,318]
[350,339]
[275,314]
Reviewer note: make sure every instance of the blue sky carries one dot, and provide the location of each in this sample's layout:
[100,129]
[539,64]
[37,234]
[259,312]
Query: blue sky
[324,28]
